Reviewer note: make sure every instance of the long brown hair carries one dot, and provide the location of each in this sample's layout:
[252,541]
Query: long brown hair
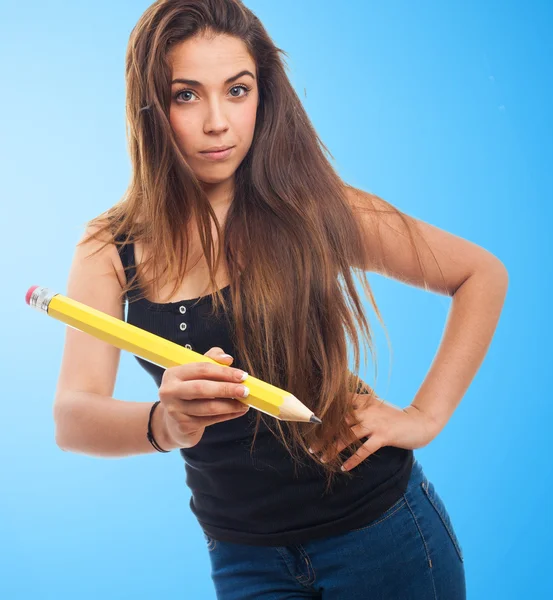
[292,238]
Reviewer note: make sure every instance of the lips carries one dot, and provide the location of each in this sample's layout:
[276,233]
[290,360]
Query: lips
[215,149]
[220,155]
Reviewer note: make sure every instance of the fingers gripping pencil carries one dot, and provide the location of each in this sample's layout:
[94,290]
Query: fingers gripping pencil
[263,396]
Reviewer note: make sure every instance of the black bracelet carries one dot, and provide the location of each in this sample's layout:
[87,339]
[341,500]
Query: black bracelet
[150,435]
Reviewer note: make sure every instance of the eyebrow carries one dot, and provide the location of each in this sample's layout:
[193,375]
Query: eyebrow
[198,84]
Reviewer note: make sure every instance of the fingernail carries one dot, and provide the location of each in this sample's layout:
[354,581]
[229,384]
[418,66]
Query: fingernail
[310,450]
[244,391]
[226,356]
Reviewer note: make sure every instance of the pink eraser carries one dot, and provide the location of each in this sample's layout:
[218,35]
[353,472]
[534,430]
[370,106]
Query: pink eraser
[30,293]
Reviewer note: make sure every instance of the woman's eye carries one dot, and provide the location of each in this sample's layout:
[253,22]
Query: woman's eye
[179,96]
[241,87]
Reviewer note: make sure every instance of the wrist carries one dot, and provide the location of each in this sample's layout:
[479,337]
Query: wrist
[160,430]
[432,425]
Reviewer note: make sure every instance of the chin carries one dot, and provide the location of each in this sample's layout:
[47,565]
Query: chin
[215,172]
[211,179]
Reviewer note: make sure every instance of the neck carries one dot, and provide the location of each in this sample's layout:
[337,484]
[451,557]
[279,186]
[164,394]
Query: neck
[219,194]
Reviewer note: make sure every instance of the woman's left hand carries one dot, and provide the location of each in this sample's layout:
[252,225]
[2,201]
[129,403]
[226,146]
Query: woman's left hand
[385,425]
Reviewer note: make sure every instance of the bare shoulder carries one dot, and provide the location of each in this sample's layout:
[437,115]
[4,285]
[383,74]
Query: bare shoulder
[98,248]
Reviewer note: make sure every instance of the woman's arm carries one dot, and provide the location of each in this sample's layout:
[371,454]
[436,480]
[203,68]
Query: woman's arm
[471,323]
[476,280]
[88,423]
[87,419]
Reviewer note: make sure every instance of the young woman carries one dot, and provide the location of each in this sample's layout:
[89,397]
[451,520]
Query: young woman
[236,235]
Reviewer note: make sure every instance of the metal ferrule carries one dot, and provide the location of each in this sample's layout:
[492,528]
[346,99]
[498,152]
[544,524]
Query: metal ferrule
[40,299]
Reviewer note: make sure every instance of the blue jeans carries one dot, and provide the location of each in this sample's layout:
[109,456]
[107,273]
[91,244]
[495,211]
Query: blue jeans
[410,552]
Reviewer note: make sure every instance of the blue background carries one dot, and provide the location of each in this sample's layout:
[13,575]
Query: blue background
[443,109]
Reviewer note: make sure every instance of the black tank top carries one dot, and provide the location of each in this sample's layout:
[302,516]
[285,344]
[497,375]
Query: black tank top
[258,498]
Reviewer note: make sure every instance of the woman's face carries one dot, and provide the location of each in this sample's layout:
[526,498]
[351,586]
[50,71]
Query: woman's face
[206,109]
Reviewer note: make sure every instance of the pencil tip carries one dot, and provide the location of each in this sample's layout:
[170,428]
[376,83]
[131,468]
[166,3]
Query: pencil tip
[315,419]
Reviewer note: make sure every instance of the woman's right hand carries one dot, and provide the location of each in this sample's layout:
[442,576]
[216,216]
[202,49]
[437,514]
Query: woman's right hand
[196,395]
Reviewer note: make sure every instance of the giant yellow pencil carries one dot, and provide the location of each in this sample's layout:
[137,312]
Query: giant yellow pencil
[263,396]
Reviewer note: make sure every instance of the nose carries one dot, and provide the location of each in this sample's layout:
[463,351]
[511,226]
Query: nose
[215,121]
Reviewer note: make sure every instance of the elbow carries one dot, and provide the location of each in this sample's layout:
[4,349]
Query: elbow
[59,414]
[58,437]
[495,269]
[502,274]
[500,268]
[60,443]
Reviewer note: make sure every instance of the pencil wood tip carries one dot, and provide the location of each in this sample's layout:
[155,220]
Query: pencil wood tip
[315,419]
